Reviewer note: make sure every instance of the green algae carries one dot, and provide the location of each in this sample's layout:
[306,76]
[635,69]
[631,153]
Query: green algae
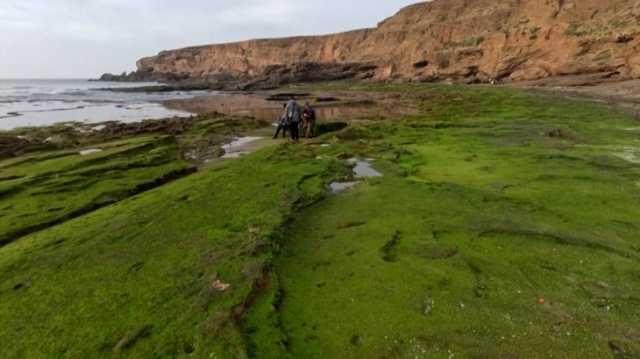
[504,226]
[481,215]
[44,190]
[147,264]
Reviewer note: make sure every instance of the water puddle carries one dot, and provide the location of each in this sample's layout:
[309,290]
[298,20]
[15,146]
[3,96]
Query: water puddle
[362,169]
[239,147]
[89,151]
[337,187]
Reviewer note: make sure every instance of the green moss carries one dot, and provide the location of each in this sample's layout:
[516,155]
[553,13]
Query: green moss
[454,258]
[149,262]
[50,188]
[489,235]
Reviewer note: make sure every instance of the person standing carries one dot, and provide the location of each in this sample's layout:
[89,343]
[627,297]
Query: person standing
[283,123]
[309,115]
[293,116]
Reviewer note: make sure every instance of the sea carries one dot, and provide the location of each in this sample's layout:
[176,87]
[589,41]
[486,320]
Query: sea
[33,103]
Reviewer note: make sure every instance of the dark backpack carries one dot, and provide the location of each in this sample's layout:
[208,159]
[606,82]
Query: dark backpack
[310,114]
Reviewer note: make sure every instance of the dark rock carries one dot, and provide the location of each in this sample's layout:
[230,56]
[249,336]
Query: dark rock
[421,64]
[143,76]
[286,96]
[357,340]
[561,133]
[327,99]
[389,252]
[623,39]
[348,225]
[323,128]
[12,145]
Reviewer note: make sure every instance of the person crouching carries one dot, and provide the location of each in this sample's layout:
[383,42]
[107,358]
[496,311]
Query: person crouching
[283,123]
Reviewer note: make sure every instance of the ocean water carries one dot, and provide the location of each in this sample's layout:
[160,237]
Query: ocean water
[25,103]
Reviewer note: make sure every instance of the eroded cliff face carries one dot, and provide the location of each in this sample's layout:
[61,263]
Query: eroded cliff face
[459,40]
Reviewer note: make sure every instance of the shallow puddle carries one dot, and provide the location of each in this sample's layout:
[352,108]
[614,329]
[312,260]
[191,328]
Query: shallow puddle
[362,169]
[239,147]
[337,187]
[89,151]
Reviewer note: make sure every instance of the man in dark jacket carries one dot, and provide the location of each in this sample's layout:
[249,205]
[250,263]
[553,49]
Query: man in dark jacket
[292,112]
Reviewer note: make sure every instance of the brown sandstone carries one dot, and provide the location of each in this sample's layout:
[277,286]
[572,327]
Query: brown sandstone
[443,40]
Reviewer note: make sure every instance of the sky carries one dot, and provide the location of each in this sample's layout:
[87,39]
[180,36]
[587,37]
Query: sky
[85,38]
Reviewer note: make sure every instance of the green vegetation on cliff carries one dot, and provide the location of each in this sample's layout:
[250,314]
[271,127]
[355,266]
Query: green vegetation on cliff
[505,226]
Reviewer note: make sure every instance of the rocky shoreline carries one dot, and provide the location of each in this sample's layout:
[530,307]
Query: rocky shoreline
[467,225]
[265,106]
[456,41]
[272,77]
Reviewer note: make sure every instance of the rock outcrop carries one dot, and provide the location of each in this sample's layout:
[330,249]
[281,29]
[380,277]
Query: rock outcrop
[456,40]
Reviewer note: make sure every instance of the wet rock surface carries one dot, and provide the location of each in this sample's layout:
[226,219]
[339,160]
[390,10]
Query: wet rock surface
[10,145]
[470,245]
[239,147]
[268,105]
[471,233]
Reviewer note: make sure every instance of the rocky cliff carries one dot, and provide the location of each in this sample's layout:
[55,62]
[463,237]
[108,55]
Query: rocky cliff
[457,40]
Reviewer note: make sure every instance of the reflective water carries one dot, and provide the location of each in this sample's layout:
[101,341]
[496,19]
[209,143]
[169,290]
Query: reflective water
[337,187]
[362,169]
[256,106]
[25,103]
[239,147]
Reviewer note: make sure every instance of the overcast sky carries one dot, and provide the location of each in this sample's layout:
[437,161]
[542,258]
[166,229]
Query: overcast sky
[85,38]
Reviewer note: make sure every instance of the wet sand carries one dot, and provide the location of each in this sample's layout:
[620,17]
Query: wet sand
[621,94]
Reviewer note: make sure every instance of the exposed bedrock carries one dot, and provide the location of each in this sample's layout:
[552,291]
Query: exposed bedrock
[444,40]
